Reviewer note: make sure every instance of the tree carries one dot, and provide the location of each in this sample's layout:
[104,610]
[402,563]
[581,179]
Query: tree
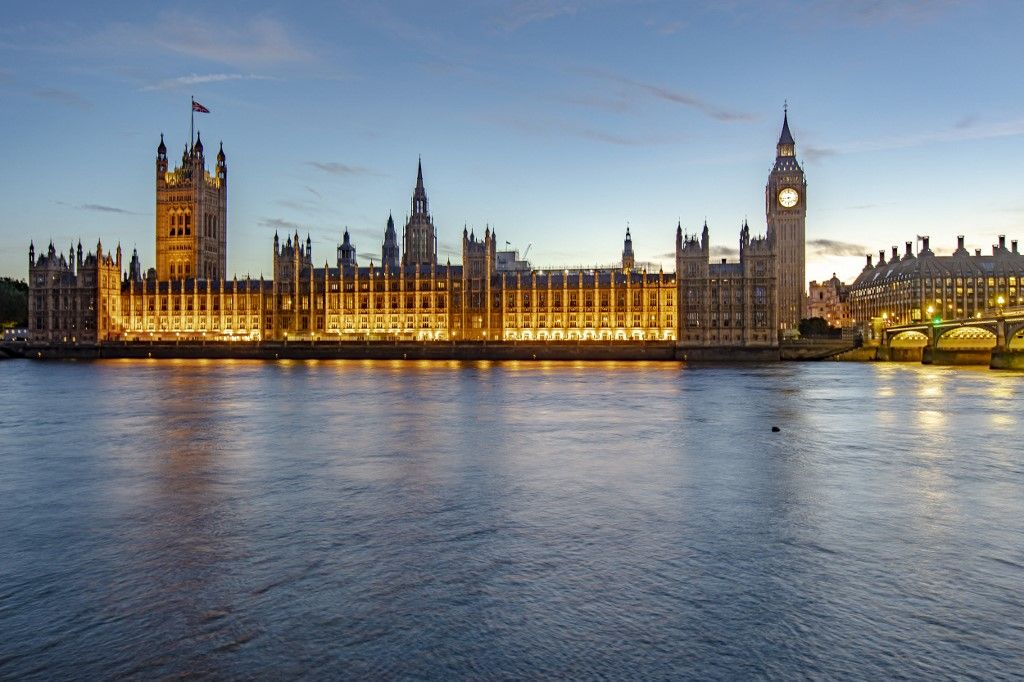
[815,326]
[13,303]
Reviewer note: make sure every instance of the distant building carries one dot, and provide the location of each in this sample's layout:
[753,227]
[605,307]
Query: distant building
[911,287]
[829,300]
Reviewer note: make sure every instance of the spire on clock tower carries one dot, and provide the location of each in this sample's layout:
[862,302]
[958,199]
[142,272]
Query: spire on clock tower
[786,141]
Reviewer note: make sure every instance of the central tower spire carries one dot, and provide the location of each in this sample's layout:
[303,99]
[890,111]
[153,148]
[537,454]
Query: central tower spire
[419,241]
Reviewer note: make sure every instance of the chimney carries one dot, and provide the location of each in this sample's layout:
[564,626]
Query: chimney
[1013,245]
[977,252]
[910,250]
[924,243]
[895,254]
[869,265]
[1002,242]
[723,261]
[960,242]
[881,257]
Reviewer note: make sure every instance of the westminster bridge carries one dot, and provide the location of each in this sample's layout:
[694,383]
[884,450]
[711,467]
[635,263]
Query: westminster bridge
[996,341]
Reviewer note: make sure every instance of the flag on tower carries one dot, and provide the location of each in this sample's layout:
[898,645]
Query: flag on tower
[196,106]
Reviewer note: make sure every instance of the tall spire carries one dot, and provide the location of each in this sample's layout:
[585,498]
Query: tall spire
[419,195]
[786,143]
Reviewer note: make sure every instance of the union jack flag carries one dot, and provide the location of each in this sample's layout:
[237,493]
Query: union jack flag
[196,106]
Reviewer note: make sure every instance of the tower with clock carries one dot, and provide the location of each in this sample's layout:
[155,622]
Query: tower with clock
[786,209]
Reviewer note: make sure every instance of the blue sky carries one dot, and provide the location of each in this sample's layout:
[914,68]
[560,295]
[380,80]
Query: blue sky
[554,122]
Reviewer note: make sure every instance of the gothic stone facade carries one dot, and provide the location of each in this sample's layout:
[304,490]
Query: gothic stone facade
[412,297]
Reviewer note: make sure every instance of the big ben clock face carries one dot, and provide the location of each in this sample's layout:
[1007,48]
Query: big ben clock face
[789,197]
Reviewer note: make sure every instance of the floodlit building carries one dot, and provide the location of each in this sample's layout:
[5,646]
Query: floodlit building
[491,295]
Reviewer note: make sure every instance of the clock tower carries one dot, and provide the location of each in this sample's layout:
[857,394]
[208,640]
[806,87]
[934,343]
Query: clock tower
[786,209]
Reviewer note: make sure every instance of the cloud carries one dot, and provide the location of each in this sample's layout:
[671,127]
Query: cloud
[279,224]
[617,104]
[197,79]
[562,128]
[665,28]
[967,121]
[964,130]
[523,12]
[313,191]
[676,97]
[875,12]
[258,40]
[336,168]
[723,252]
[813,153]
[66,97]
[831,247]
[99,208]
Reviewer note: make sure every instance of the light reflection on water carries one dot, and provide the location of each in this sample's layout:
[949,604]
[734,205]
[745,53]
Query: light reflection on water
[429,519]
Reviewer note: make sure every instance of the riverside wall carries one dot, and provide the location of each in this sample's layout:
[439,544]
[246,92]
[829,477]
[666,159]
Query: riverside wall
[664,351]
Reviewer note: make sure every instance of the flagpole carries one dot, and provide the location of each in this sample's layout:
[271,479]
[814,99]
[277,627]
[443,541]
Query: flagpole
[192,127]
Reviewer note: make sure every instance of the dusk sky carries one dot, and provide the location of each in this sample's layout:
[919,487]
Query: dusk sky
[555,122]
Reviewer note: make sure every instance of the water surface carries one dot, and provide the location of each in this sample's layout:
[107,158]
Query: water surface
[515,520]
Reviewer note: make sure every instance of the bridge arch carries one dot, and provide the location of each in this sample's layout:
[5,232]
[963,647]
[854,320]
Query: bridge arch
[1015,336]
[909,339]
[967,338]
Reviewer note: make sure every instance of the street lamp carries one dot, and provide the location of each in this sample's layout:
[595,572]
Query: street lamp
[1000,301]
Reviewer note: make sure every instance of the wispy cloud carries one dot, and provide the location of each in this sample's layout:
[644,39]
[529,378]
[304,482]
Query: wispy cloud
[98,208]
[665,28]
[967,128]
[523,12]
[812,153]
[260,40]
[674,96]
[876,12]
[313,191]
[564,128]
[723,252]
[831,247]
[200,79]
[337,168]
[61,96]
[618,104]
[279,224]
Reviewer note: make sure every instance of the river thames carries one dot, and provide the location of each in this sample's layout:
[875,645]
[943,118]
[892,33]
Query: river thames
[520,520]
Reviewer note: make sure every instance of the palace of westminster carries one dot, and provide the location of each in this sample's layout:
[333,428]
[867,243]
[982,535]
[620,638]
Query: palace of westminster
[92,298]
